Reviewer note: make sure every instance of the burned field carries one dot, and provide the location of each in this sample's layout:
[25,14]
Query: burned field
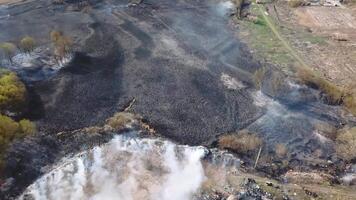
[189,76]
[169,61]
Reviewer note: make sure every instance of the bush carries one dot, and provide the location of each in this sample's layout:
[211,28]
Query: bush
[27,44]
[334,95]
[296,3]
[10,130]
[27,127]
[55,35]
[241,142]
[346,144]
[8,49]
[62,44]
[12,92]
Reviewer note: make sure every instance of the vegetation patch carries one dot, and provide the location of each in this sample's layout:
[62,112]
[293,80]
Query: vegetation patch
[11,130]
[334,95]
[27,44]
[281,150]
[8,50]
[258,77]
[12,92]
[241,142]
[262,40]
[120,120]
[62,44]
[346,144]
[296,3]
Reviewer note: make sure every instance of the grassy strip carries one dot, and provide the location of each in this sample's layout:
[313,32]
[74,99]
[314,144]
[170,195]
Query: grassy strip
[334,94]
[280,38]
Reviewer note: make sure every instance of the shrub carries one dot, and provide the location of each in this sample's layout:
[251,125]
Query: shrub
[258,77]
[334,95]
[12,92]
[241,142]
[10,129]
[27,127]
[295,3]
[281,150]
[346,144]
[62,44]
[27,44]
[9,50]
[55,35]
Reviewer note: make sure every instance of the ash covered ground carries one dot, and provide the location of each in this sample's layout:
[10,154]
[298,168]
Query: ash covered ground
[170,61]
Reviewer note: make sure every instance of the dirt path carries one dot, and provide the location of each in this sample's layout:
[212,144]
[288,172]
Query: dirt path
[280,37]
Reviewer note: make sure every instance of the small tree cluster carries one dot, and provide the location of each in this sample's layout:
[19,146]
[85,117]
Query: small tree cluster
[62,44]
[10,129]
[12,92]
[27,44]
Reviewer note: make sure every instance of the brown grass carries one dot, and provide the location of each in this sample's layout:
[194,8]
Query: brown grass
[346,144]
[258,77]
[241,142]
[277,82]
[281,150]
[349,100]
[120,120]
[296,3]
[333,93]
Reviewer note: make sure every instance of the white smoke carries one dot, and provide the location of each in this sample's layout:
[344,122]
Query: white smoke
[126,168]
[225,7]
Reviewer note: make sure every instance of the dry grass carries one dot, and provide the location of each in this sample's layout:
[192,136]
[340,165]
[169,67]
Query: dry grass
[120,120]
[277,82]
[296,3]
[258,77]
[333,93]
[281,150]
[346,144]
[349,99]
[241,142]
[326,130]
